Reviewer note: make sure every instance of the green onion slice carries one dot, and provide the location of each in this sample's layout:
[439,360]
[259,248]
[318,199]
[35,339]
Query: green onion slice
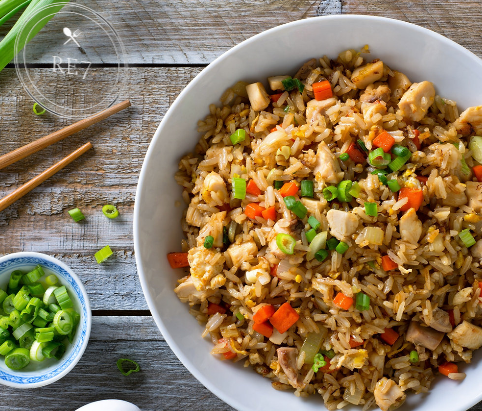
[36,289]
[15,278]
[20,331]
[239,188]
[239,316]
[62,296]
[343,191]
[76,214]
[238,136]
[208,241]
[330,193]
[295,206]
[36,353]
[362,145]
[307,189]
[317,244]
[63,322]
[17,359]
[38,109]
[21,299]
[371,209]
[7,304]
[15,319]
[314,223]
[400,151]
[398,162]
[7,347]
[49,297]
[39,322]
[332,243]
[467,238]
[342,247]
[330,354]
[27,339]
[278,184]
[285,243]
[33,275]
[120,366]
[51,280]
[475,146]
[51,348]
[382,176]
[321,255]
[110,211]
[53,308]
[378,158]
[362,302]
[393,185]
[310,235]
[414,357]
[103,254]
[355,189]
[3,296]
[344,156]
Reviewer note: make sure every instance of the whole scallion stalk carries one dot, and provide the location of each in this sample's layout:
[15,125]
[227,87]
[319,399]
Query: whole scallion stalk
[37,20]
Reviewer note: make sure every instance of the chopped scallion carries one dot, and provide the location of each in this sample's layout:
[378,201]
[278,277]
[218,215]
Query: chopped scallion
[110,211]
[239,316]
[355,190]
[321,255]
[342,247]
[307,189]
[414,357]
[400,151]
[286,243]
[332,243]
[310,234]
[134,367]
[239,188]
[314,223]
[382,176]
[467,238]
[76,214]
[103,254]
[371,209]
[398,162]
[238,136]
[378,158]
[278,184]
[362,145]
[344,156]
[393,185]
[362,302]
[208,241]
[295,206]
[38,109]
[343,191]
[330,193]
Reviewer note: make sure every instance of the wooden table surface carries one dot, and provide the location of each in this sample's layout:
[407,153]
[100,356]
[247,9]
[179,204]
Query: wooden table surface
[168,43]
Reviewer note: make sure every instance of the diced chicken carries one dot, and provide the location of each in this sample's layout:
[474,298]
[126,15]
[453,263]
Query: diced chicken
[367,74]
[455,197]
[213,227]
[440,321]
[467,335]
[240,253]
[214,189]
[426,337]
[306,68]
[415,103]
[352,359]
[444,156]
[372,94]
[258,97]
[476,249]
[314,206]
[276,82]
[388,395]
[205,264]
[474,194]
[398,84]
[463,296]
[187,292]
[470,117]
[315,108]
[342,224]
[278,338]
[378,361]
[327,169]
[410,227]
[371,110]
[287,360]
[279,228]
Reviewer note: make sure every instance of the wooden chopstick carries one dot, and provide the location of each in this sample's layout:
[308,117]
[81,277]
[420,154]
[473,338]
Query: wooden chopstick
[59,135]
[29,186]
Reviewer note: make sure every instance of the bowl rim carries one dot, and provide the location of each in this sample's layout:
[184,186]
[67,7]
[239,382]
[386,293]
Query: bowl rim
[150,153]
[83,336]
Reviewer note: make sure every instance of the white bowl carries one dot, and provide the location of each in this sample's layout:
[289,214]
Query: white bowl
[419,53]
[50,370]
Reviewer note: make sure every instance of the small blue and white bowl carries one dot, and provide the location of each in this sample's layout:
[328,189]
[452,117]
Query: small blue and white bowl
[39,374]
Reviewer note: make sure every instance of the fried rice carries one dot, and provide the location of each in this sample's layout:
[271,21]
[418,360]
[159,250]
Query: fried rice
[314,289]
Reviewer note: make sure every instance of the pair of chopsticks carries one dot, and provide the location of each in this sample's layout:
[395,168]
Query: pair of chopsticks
[46,141]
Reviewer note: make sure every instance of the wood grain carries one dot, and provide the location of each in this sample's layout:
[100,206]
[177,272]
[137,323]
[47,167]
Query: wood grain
[162,384]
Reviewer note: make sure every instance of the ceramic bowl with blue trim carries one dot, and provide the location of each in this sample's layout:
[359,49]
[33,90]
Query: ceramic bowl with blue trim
[38,374]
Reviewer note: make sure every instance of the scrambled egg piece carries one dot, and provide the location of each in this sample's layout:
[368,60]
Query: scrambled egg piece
[353,359]
[202,270]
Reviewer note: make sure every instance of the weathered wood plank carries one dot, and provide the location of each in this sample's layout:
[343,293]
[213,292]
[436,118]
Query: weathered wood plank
[162,384]
[108,175]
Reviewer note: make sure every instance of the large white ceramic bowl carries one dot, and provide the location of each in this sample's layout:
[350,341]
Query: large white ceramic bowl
[39,374]
[419,53]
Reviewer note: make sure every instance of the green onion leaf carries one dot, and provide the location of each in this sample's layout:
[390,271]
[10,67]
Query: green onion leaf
[36,110]
[286,243]
[355,190]
[238,136]
[208,241]
[103,254]
[330,354]
[314,223]
[307,189]
[7,304]
[400,151]
[63,322]
[342,247]
[378,158]
[344,156]
[310,234]
[62,296]
[52,279]
[239,188]
[4,295]
[362,145]
[414,357]
[239,316]
[393,185]
[343,191]
[76,214]
[332,243]
[321,255]
[7,347]
[278,184]
[362,302]
[20,331]
[14,281]
[382,176]
[330,193]
[464,167]
[371,209]
[398,162]
[50,349]
[120,366]
[295,206]
[17,359]
[467,238]
[110,211]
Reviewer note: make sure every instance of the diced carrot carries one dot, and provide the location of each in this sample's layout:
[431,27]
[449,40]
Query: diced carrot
[229,355]
[326,368]
[215,308]
[388,264]
[342,301]
[354,343]
[275,97]
[451,316]
[389,336]
[252,188]
[225,207]
[385,141]
[274,270]
[355,154]
[265,329]
[289,189]
[322,90]
[284,318]
[416,140]
[478,172]
[253,210]
[273,130]
[177,260]
[448,368]
[415,198]
[422,179]
[269,213]
[263,314]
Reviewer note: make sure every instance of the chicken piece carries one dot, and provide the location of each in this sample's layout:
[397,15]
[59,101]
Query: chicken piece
[214,189]
[455,197]
[316,109]
[470,117]
[279,229]
[205,264]
[446,157]
[467,335]
[426,337]
[476,249]
[314,206]
[370,110]
[187,292]
[342,224]
[258,97]
[240,253]
[367,74]
[440,321]
[287,360]
[352,359]
[388,395]
[410,227]
[213,227]
[327,169]
[378,361]
[276,82]
[415,103]
[306,68]
[372,94]
[474,194]
[399,84]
